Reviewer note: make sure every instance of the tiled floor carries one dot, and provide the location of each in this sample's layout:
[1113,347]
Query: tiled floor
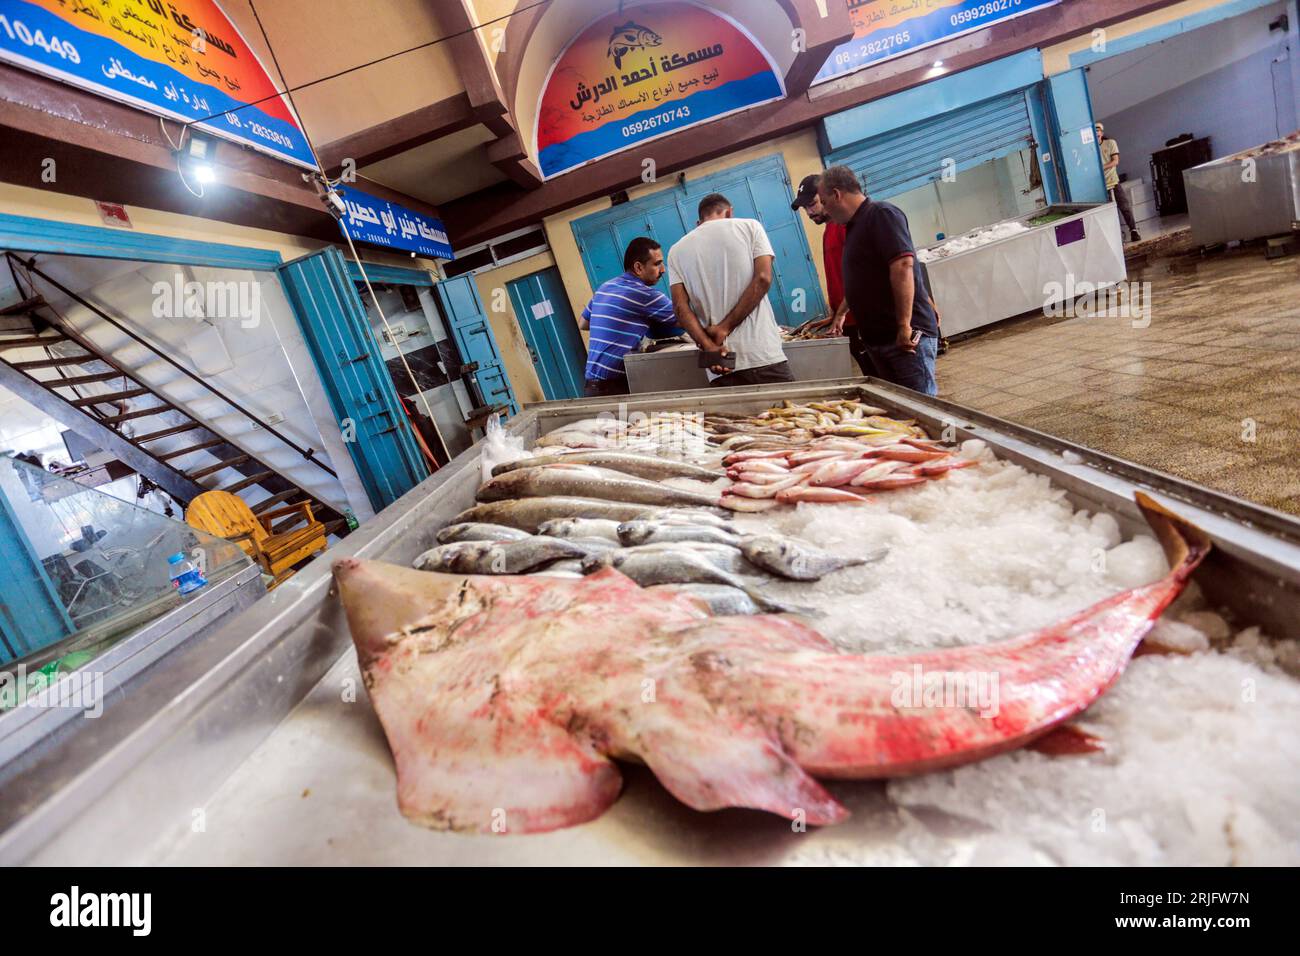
[1209,390]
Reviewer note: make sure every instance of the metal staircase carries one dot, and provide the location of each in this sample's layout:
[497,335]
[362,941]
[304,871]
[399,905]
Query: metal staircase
[169,446]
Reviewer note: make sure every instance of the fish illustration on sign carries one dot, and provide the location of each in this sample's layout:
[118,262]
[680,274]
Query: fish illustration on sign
[630,36]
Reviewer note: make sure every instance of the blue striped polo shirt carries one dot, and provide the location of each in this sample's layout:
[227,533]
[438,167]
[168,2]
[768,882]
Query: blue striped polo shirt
[622,312]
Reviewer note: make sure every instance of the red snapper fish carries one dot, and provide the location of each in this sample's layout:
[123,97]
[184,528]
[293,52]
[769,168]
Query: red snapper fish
[506,700]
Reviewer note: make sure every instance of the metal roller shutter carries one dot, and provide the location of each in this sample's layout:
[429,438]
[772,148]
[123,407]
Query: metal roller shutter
[912,156]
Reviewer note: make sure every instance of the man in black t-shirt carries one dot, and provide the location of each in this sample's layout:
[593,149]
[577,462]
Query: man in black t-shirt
[883,283]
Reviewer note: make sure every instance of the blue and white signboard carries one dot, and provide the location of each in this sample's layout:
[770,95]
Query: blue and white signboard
[382,223]
[884,29]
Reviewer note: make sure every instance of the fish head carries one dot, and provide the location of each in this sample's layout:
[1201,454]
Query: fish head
[635,532]
[632,36]
[383,599]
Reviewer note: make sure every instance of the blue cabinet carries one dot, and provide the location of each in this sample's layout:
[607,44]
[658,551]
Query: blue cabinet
[758,190]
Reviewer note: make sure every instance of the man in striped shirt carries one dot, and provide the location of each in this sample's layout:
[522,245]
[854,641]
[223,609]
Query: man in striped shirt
[623,311]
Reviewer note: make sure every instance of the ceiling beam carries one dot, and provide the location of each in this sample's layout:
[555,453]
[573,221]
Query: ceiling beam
[397,135]
[825,26]
[486,99]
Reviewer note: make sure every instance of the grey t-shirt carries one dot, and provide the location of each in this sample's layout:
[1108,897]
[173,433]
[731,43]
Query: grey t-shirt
[715,262]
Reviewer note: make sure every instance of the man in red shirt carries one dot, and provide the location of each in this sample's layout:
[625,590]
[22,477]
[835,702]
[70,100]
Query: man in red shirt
[841,322]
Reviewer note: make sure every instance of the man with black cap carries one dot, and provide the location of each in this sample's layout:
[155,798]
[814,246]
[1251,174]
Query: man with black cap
[841,322]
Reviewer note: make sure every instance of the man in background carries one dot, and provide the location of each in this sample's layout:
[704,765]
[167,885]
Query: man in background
[841,321]
[1118,195]
[624,310]
[883,283]
[719,274]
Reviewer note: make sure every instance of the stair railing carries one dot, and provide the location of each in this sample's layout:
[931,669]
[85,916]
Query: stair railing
[30,268]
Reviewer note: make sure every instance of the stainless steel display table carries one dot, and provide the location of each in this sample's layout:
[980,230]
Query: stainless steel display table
[810,361]
[264,726]
[1052,263]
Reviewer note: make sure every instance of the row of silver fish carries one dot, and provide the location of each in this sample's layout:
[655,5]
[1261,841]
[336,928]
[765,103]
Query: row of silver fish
[572,514]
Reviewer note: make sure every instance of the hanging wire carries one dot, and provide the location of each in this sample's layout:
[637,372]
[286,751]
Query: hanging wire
[360,66]
[361,266]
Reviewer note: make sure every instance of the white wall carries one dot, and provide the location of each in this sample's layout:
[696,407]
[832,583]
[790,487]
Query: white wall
[989,193]
[1232,81]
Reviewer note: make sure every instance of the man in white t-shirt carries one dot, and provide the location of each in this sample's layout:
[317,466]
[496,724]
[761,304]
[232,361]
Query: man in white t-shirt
[719,274]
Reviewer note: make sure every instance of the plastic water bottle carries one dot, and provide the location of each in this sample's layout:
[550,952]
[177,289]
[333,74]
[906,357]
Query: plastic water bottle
[185,576]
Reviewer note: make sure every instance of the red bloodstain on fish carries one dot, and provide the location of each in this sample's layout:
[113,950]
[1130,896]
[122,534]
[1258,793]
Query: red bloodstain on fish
[506,700]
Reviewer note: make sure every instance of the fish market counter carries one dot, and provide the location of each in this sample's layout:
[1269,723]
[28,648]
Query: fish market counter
[258,744]
[1024,264]
[812,360]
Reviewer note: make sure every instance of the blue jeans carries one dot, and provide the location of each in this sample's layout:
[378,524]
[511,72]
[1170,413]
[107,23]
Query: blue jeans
[914,370]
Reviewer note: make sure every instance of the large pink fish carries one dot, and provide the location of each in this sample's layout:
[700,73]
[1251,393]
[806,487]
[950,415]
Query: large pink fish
[506,700]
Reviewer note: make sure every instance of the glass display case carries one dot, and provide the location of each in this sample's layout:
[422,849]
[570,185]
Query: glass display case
[83,571]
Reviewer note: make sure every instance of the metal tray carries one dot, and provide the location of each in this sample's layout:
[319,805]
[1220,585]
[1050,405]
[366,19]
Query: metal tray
[243,747]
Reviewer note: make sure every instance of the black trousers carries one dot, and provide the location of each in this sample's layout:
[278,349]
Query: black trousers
[1120,195]
[762,375]
[598,388]
[859,352]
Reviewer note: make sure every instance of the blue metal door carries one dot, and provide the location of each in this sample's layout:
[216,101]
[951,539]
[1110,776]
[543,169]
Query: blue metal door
[1077,150]
[464,314]
[559,356]
[360,389]
[757,190]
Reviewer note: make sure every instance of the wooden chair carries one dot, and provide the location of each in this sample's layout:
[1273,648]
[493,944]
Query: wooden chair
[228,516]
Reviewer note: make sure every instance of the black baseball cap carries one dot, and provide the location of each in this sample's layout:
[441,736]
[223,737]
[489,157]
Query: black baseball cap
[807,191]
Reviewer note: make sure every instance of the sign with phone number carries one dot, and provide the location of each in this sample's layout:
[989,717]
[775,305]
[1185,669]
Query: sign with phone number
[182,59]
[884,29]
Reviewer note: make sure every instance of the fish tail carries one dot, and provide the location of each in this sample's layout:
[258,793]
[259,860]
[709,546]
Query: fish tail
[1185,544]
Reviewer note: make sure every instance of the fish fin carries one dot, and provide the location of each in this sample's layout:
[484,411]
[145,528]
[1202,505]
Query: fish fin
[878,555]
[1185,545]
[736,769]
[515,773]
[381,599]
[1068,740]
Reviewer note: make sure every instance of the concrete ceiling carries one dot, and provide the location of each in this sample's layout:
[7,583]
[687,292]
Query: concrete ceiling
[453,166]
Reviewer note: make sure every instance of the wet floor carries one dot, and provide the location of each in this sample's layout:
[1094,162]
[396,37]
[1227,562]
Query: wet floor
[1202,381]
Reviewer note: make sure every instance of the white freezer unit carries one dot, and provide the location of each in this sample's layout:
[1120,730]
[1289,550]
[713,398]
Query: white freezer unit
[1028,271]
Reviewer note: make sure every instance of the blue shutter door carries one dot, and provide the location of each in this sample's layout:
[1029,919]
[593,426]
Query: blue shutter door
[915,155]
[542,308]
[463,311]
[355,378]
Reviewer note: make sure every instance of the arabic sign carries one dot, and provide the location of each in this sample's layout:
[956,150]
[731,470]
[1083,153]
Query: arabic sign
[644,72]
[377,221]
[884,29]
[181,58]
